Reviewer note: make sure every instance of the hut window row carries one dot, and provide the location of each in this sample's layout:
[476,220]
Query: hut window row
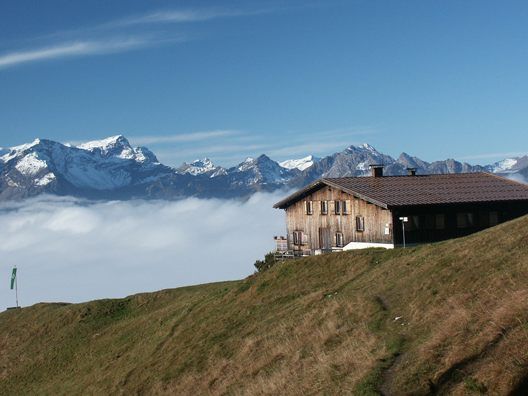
[463,220]
[340,207]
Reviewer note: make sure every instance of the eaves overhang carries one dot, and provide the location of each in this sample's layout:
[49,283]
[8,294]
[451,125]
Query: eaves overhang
[317,185]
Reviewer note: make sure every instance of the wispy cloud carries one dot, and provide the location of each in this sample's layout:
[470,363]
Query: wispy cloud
[65,50]
[308,148]
[232,146]
[138,30]
[184,137]
[185,16]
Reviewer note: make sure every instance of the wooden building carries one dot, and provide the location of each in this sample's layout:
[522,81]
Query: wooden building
[359,212]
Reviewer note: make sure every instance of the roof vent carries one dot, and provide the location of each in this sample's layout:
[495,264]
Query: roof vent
[377,170]
[411,171]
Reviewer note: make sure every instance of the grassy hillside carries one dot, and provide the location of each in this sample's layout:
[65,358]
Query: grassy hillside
[324,324]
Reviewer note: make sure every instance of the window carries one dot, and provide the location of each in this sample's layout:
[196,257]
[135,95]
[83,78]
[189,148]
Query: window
[324,207]
[340,240]
[429,222]
[360,223]
[465,220]
[344,206]
[493,218]
[440,222]
[413,224]
[298,238]
[308,207]
[341,207]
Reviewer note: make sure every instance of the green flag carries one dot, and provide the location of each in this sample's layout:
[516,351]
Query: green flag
[13,277]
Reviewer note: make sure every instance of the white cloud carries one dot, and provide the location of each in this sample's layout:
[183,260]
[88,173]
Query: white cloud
[184,16]
[65,50]
[70,250]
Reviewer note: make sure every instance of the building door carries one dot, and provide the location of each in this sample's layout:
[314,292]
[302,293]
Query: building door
[325,242]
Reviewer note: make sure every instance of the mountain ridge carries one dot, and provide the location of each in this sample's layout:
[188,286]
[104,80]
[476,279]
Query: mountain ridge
[112,168]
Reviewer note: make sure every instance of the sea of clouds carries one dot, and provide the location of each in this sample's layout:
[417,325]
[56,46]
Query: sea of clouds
[72,250]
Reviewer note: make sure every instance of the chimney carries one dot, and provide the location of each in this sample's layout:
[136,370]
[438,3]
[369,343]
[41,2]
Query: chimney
[411,171]
[377,170]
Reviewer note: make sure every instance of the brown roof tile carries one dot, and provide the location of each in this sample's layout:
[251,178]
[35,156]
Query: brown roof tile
[393,191]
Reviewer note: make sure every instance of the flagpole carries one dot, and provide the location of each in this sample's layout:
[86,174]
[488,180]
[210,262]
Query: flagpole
[16,289]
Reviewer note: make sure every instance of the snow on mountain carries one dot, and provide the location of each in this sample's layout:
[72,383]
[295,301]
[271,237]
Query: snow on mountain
[504,166]
[99,165]
[367,147]
[248,163]
[200,167]
[301,163]
[12,152]
[112,169]
[354,161]
[31,164]
[261,170]
[118,147]
[45,180]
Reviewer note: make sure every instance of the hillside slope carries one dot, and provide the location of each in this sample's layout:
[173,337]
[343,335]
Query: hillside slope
[324,324]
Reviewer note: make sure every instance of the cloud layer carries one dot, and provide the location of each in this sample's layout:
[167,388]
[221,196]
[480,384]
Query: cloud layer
[68,250]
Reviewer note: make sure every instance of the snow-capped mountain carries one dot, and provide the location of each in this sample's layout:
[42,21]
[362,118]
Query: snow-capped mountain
[48,166]
[510,165]
[260,171]
[112,169]
[200,167]
[118,147]
[301,163]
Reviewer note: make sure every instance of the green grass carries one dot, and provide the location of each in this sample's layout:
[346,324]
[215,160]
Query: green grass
[319,325]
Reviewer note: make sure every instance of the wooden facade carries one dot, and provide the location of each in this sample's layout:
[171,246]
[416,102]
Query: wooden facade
[320,231]
[349,213]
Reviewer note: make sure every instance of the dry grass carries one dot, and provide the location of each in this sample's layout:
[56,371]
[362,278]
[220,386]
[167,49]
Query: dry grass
[323,325]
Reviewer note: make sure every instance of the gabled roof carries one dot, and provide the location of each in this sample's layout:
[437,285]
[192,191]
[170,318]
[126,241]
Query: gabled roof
[394,191]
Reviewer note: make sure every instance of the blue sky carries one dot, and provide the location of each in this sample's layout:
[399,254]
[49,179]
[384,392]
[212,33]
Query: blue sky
[287,78]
